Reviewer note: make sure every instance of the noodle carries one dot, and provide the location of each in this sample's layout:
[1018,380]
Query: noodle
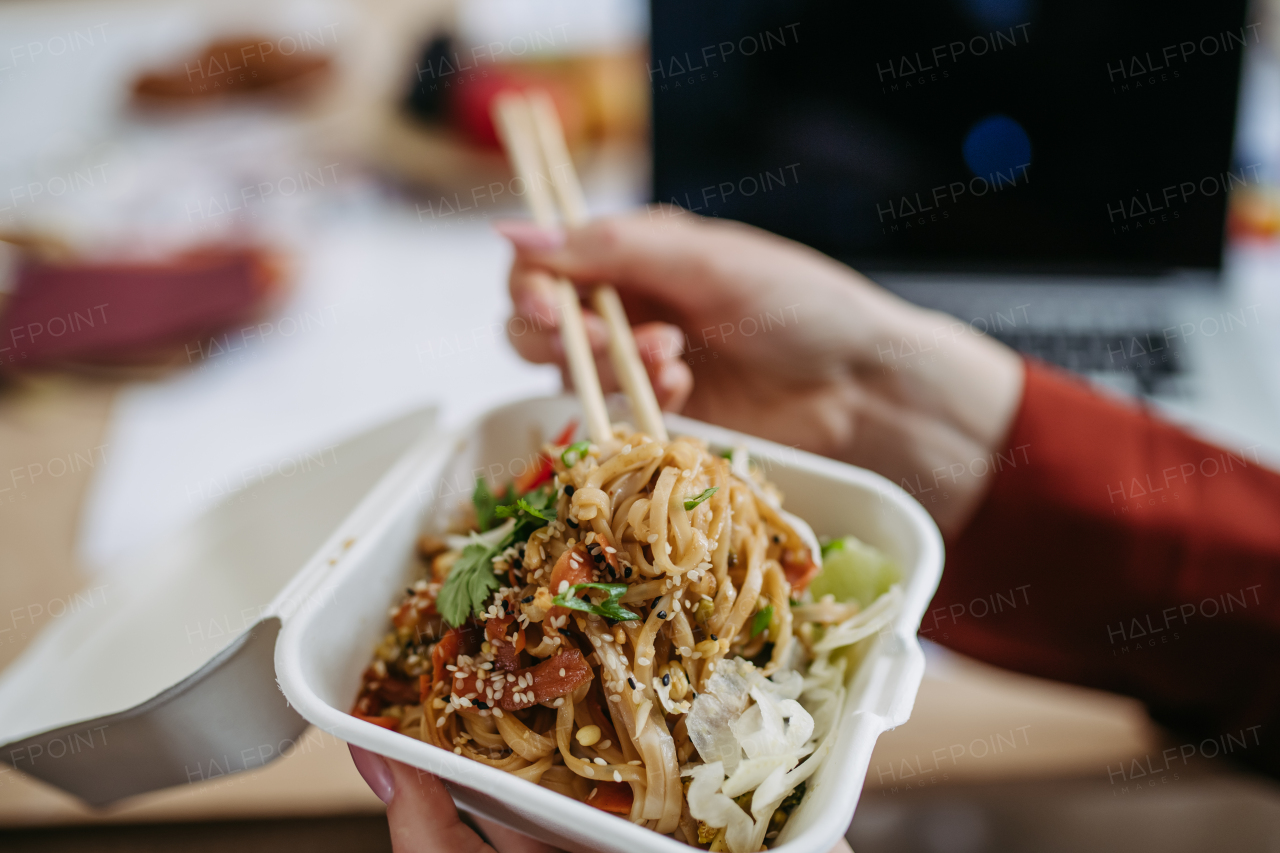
[645,574]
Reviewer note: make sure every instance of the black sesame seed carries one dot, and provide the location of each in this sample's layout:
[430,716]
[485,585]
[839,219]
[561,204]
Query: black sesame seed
[408,590]
[714,637]
[527,599]
[573,523]
[662,614]
[626,573]
[666,679]
[632,682]
[568,491]
[483,706]
[776,539]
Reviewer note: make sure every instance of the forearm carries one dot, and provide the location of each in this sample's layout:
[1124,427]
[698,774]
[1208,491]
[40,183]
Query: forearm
[937,404]
[1116,551]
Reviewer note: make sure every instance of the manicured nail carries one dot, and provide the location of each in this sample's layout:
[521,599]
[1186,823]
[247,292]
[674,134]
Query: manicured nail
[530,237]
[375,772]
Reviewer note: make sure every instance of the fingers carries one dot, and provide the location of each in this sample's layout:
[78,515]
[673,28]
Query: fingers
[655,257]
[842,846]
[420,814]
[510,841]
[661,346]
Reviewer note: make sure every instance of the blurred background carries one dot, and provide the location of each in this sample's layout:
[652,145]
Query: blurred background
[234,235]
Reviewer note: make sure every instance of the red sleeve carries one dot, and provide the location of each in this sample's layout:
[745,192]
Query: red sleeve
[1116,551]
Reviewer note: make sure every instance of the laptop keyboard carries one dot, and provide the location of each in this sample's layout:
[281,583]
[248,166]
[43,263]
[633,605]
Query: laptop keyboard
[1147,355]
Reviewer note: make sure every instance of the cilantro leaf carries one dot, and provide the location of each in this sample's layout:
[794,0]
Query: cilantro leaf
[610,608]
[706,493]
[470,582]
[574,452]
[485,502]
[762,620]
[523,505]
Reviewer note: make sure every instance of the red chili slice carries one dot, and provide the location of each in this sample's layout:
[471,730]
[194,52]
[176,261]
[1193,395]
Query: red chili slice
[613,797]
[548,682]
[541,472]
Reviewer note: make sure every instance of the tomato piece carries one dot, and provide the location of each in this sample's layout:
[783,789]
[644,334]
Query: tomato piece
[612,797]
[566,569]
[800,568]
[392,723]
[548,682]
[456,641]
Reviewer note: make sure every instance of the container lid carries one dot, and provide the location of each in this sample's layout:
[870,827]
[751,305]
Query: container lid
[170,679]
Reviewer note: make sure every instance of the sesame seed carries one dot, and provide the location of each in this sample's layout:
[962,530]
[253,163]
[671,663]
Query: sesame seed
[497,712]
[632,682]
[587,771]
[614,697]
[527,599]
[617,777]
[662,614]
[564,587]
[457,750]
[635,762]
[666,679]
[568,490]
[593,793]
[600,761]
[605,744]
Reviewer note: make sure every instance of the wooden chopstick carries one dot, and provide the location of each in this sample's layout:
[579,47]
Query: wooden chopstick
[514,120]
[623,352]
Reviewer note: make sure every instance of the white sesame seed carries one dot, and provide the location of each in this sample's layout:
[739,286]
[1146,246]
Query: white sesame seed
[564,587]
[651,538]
[600,761]
[497,712]
[587,771]
[643,661]
[614,697]
[635,762]
[457,750]
[617,777]
[562,672]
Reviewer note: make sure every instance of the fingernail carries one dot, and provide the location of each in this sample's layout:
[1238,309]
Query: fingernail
[530,237]
[375,772]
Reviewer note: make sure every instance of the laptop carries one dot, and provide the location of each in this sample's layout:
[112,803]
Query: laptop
[1055,173]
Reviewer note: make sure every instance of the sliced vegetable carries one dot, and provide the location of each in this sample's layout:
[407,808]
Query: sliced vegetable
[697,499]
[610,608]
[574,452]
[456,641]
[854,571]
[612,797]
[763,619]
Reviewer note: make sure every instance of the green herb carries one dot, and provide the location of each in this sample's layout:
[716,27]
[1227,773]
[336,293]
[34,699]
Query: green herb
[486,503]
[762,620]
[523,505]
[574,452]
[706,493]
[610,608]
[470,583]
[727,453]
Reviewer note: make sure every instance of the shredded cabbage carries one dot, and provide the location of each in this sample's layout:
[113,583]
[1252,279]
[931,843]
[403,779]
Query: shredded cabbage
[755,733]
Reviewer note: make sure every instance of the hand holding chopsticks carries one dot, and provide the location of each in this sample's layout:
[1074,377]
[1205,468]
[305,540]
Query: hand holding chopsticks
[534,140]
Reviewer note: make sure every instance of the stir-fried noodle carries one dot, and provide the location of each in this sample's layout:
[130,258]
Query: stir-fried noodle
[628,626]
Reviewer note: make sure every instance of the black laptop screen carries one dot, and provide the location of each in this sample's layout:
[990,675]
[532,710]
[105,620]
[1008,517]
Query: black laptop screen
[997,135]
